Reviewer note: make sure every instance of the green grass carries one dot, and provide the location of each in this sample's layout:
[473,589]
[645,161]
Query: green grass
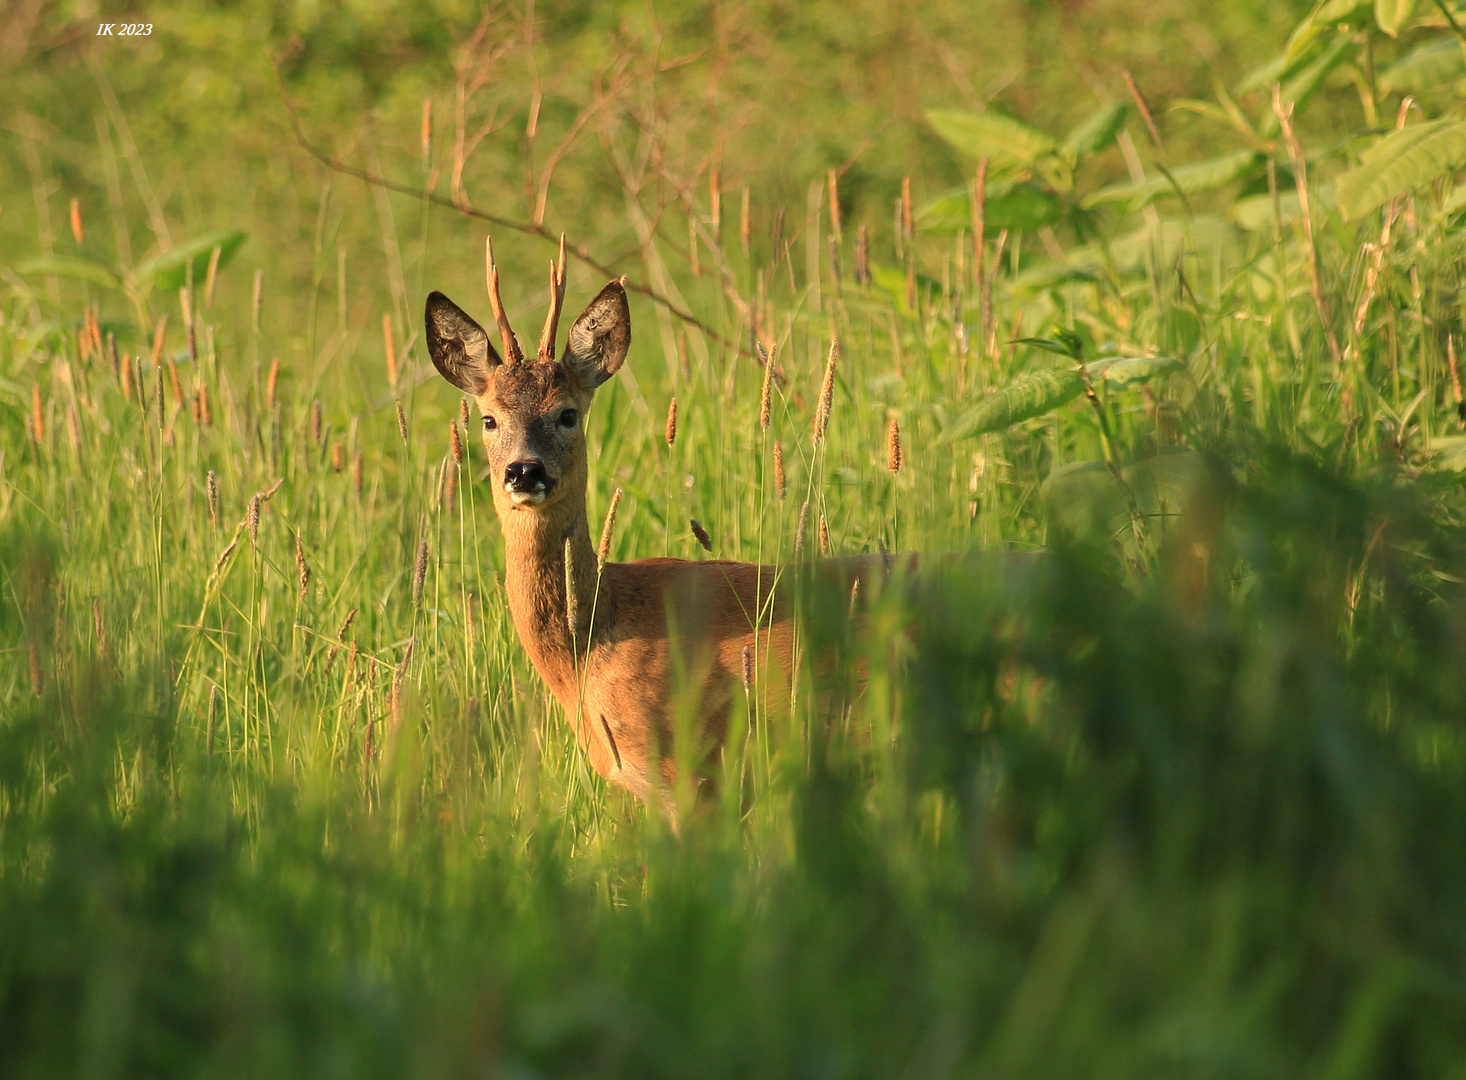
[1184,795]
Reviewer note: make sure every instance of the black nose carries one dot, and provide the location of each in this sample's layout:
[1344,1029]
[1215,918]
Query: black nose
[526,475]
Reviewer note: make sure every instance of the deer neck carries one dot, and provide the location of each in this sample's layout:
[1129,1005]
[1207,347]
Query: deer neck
[535,580]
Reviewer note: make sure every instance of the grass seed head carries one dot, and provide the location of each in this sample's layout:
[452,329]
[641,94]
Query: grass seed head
[802,529]
[390,345]
[827,392]
[419,572]
[356,475]
[781,482]
[318,424]
[862,256]
[401,423]
[745,226]
[572,601]
[112,351]
[77,232]
[86,337]
[272,383]
[425,136]
[206,415]
[252,518]
[671,433]
[38,414]
[302,569]
[212,277]
[211,487]
[463,414]
[824,536]
[158,336]
[603,549]
[455,444]
[747,667]
[399,681]
[124,376]
[257,297]
[702,534]
[338,457]
[450,487]
[715,202]
[766,393]
[893,448]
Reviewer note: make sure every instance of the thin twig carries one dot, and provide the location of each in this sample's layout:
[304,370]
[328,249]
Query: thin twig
[528,229]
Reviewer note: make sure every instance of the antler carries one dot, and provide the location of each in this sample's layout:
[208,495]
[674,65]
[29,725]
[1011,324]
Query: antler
[512,355]
[557,301]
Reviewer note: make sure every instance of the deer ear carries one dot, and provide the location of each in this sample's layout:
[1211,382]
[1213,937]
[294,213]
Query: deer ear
[598,340]
[460,349]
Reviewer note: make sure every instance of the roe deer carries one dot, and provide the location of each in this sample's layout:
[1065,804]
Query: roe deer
[615,678]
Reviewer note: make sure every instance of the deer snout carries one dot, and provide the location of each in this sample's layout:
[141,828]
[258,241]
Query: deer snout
[527,482]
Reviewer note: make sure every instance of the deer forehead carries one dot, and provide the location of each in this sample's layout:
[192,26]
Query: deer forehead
[529,388]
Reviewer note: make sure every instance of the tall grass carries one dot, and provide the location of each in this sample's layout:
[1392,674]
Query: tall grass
[1185,794]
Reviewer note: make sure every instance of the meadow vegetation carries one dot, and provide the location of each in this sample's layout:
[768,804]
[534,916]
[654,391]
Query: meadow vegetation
[1179,791]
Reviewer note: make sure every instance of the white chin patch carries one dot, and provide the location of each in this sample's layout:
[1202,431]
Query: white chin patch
[527,498]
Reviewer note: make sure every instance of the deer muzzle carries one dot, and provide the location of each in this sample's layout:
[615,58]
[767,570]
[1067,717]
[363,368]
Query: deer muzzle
[527,482]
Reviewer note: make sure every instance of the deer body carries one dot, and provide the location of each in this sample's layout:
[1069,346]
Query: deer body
[615,645]
[645,628]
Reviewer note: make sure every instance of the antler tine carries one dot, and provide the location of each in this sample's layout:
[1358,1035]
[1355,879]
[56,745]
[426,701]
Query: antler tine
[557,301]
[512,355]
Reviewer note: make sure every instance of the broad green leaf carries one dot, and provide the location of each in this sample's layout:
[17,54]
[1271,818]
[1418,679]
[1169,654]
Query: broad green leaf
[1187,179]
[1051,275]
[1302,86]
[1455,201]
[1001,139]
[1021,207]
[1275,70]
[1122,372]
[1217,113]
[1426,67]
[1402,162]
[1096,132]
[1033,395]
[1399,142]
[1084,498]
[1326,13]
[1165,241]
[77,269]
[1392,15]
[170,269]
[1063,343]
[1255,213]
[1448,453]
[892,282]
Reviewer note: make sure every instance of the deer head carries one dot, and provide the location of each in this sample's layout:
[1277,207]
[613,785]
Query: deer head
[532,411]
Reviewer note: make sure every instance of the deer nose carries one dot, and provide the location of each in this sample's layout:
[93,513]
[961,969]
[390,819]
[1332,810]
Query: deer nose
[526,475]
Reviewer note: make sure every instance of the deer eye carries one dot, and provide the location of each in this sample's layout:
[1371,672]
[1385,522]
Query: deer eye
[490,423]
[569,418]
